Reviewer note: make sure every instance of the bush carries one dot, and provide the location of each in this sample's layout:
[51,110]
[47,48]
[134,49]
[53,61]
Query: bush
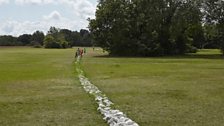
[37,46]
[222,43]
[51,42]
[64,44]
[222,48]
[192,49]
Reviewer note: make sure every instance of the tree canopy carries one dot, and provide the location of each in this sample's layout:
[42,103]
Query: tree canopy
[62,37]
[214,13]
[149,27]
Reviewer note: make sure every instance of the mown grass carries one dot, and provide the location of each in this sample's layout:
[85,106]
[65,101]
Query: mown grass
[163,91]
[40,87]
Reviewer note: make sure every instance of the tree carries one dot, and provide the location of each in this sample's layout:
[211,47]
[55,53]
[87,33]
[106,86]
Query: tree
[25,39]
[210,35]
[63,37]
[53,31]
[145,28]
[67,36]
[38,38]
[85,39]
[109,29]
[8,40]
[76,39]
[214,10]
[50,42]
[55,39]
[196,32]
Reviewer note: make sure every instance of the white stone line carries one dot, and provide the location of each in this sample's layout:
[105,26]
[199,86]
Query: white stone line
[112,116]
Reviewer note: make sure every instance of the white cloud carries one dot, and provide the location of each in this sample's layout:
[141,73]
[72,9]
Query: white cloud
[4,2]
[34,2]
[55,15]
[9,27]
[81,10]
[17,28]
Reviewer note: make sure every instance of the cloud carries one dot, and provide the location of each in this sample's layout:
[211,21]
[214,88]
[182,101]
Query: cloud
[17,28]
[55,15]
[33,2]
[4,2]
[80,11]
[58,20]
[9,27]
[82,8]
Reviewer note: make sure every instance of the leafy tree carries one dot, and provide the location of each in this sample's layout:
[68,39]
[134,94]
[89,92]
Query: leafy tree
[83,32]
[63,37]
[25,39]
[109,28]
[210,34]
[55,39]
[76,39]
[145,28]
[60,38]
[67,36]
[86,39]
[196,32]
[38,38]
[8,40]
[53,31]
[50,42]
[214,10]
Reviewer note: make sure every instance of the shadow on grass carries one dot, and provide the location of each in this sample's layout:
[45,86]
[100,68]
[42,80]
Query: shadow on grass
[186,56]
[204,56]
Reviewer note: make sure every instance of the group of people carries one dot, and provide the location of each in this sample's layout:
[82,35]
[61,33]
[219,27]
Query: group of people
[80,52]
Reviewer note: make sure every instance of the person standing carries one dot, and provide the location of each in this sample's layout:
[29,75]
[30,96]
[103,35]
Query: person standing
[76,54]
[81,52]
[78,51]
[84,50]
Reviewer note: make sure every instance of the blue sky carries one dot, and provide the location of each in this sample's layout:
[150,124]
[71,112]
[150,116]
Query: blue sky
[26,16]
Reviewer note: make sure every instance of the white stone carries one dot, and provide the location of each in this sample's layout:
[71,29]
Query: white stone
[113,117]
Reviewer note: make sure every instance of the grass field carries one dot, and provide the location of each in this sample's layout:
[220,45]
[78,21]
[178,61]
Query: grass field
[40,87]
[168,91]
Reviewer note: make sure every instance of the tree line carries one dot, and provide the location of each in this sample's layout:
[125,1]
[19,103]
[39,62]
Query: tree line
[158,27]
[55,38]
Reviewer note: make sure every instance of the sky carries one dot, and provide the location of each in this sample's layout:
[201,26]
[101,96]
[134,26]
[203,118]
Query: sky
[19,17]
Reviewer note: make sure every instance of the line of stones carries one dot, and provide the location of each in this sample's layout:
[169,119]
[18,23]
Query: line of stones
[112,116]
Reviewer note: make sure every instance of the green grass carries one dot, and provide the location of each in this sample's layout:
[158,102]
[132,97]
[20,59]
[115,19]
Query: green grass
[167,91]
[40,87]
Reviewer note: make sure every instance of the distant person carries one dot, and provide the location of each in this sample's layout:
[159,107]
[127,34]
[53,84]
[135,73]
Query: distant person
[78,50]
[84,50]
[81,52]
[76,54]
